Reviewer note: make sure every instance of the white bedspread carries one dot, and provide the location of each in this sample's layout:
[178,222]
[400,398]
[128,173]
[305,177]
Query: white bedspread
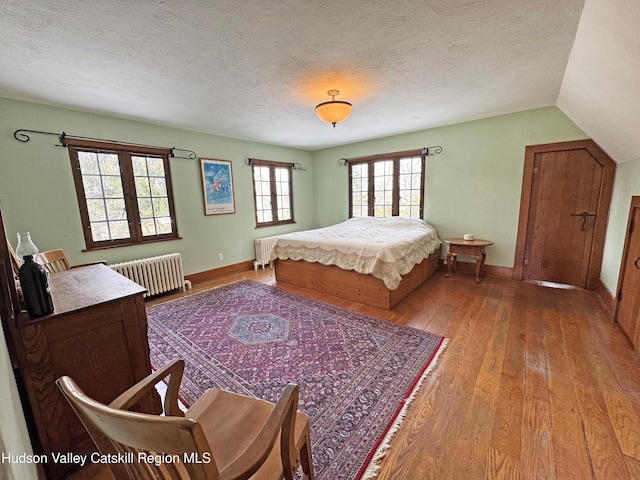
[383,247]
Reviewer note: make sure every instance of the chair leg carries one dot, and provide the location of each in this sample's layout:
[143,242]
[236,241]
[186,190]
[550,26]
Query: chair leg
[306,460]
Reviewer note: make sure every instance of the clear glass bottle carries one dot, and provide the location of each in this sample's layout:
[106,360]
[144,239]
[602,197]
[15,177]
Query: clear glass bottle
[25,246]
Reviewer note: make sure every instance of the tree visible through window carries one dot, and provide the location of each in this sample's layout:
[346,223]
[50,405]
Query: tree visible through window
[273,192]
[124,193]
[387,185]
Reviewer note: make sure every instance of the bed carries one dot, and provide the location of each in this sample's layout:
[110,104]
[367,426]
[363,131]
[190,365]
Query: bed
[375,261]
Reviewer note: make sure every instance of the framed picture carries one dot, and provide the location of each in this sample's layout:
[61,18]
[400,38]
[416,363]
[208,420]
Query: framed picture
[217,186]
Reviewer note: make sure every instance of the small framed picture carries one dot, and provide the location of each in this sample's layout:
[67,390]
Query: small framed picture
[217,186]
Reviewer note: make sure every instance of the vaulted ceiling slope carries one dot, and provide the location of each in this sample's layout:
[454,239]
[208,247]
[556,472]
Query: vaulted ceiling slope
[255,70]
[601,87]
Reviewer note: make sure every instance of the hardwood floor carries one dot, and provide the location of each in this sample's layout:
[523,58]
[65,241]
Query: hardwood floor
[536,382]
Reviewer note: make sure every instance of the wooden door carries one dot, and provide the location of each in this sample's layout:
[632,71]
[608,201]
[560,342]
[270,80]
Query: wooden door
[628,307]
[563,213]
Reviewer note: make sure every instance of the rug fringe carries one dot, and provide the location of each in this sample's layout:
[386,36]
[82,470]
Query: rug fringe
[373,469]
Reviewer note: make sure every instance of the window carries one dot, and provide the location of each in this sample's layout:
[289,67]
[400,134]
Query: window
[124,193]
[273,192]
[387,185]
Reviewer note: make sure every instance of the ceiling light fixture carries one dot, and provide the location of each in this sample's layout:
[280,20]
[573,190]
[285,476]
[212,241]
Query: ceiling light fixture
[334,111]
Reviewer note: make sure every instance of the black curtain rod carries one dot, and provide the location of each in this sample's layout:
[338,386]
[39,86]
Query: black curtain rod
[294,165]
[427,151]
[21,136]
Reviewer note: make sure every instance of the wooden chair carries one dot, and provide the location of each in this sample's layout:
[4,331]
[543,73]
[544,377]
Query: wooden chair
[53,260]
[223,436]
[15,260]
[56,261]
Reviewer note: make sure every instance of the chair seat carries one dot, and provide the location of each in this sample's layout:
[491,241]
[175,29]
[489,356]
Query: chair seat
[246,415]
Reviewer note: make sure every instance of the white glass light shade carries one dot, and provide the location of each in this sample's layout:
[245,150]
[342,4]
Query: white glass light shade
[334,111]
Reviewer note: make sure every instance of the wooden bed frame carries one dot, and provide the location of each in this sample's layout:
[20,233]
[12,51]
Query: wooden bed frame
[352,285]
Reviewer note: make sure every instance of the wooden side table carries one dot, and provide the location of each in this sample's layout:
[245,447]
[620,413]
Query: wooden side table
[473,248]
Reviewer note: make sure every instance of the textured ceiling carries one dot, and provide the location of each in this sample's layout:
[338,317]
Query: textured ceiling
[255,69]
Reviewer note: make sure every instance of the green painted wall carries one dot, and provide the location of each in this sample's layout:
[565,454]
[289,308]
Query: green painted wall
[627,184]
[14,438]
[473,186]
[37,192]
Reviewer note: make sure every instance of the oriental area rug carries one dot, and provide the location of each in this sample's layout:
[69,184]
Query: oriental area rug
[356,373]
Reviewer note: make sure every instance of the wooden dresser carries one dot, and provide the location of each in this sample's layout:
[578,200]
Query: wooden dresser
[97,335]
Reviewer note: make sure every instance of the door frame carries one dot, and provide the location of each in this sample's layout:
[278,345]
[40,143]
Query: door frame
[600,227]
[635,204]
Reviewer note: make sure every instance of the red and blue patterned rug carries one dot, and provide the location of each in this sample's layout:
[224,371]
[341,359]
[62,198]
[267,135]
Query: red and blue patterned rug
[356,373]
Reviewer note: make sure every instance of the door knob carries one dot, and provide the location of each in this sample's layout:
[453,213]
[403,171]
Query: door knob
[636,263]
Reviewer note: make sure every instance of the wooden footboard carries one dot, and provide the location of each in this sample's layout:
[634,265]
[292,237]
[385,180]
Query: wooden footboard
[351,285]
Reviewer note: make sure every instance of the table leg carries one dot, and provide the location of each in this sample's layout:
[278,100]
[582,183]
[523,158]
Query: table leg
[480,259]
[448,264]
[478,267]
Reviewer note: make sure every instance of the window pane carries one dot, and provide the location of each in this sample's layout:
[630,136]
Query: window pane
[97,210]
[121,189]
[265,215]
[282,194]
[102,185]
[88,163]
[163,225]
[92,186]
[359,190]
[119,229]
[159,187]
[272,190]
[142,187]
[108,164]
[112,187]
[161,207]
[148,226]
[152,193]
[145,207]
[115,209]
[393,193]
[261,173]
[139,165]
[262,189]
[383,188]
[409,183]
[100,231]
[155,166]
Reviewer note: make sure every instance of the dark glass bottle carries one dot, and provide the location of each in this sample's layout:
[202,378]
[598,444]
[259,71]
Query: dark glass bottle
[34,280]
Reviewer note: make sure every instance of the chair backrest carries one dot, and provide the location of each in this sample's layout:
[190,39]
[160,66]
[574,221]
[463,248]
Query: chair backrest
[137,436]
[15,260]
[142,436]
[53,260]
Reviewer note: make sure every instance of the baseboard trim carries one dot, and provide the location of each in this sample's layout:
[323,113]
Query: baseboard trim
[608,300]
[216,273]
[490,270]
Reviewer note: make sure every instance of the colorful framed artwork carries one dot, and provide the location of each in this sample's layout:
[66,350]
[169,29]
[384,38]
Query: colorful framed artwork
[217,186]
